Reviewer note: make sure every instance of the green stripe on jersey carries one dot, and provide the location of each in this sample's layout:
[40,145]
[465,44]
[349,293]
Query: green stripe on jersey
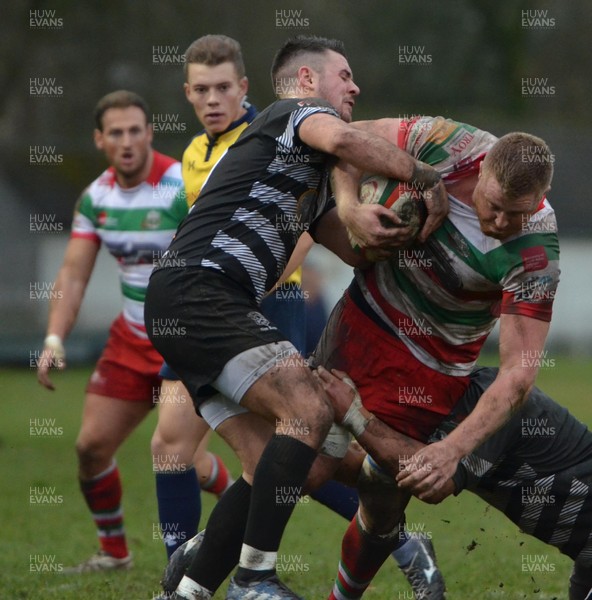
[477,318]
[497,263]
[138,219]
[85,207]
[132,292]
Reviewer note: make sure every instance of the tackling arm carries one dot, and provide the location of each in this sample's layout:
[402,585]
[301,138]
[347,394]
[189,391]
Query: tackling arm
[374,154]
[371,225]
[520,337]
[387,447]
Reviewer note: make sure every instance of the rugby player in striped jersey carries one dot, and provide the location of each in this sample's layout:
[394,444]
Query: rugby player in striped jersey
[133,208]
[409,330]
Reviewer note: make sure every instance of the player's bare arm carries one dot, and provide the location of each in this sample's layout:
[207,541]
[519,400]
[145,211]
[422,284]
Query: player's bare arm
[303,246]
[375,154]
[384,128]
[331,233]
[519,337]
[72,279]
[436,199]
[371,225]
[366,151]
[386,446]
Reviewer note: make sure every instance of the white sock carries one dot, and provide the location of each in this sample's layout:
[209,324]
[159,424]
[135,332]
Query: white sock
[191,590]
[257,560]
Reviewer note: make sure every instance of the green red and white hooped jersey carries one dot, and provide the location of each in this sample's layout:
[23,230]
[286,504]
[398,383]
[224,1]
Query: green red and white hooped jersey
[443,298]
[135,224]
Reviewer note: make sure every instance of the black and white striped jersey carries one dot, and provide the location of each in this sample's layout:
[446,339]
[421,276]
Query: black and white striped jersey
[264,192]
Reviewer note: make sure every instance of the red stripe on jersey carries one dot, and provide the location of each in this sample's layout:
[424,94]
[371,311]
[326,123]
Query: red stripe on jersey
[429,341]
[93,237]
[107,177]
[541,311]
[160,164]
[461,294]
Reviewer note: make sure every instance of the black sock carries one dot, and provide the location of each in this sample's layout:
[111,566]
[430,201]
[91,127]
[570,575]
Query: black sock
[221,546]
[277,486]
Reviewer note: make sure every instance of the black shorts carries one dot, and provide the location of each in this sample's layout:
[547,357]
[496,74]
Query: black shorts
[285,308]
[199,319]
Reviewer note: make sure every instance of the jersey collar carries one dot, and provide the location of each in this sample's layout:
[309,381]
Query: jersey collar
[246,118]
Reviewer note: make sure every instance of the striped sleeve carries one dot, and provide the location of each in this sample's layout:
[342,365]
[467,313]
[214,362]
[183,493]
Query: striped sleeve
[309,109]
[455,149]
[530,288]
[83,224]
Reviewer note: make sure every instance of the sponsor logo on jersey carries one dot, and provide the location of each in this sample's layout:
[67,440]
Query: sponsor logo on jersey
[534,259]
[105,220]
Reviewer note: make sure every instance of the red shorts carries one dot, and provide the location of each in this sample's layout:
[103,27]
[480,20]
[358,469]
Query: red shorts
[400,390]
[128,367]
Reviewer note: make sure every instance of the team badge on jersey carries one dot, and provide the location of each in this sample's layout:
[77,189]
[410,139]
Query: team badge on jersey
[151,220]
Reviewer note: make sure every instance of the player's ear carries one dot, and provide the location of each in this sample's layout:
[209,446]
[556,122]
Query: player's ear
[306,78]
[187,91]
[244,85]
[150,132]
[544,195]
[98,138]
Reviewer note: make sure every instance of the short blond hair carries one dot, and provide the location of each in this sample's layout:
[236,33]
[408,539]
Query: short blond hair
[521,163]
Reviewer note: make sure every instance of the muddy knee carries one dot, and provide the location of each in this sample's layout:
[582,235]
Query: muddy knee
[382,501]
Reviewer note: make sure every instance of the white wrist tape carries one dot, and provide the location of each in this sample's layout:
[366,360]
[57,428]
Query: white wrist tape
[54,343]
[354,421]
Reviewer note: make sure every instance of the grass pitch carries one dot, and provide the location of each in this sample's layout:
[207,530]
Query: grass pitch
[46,525]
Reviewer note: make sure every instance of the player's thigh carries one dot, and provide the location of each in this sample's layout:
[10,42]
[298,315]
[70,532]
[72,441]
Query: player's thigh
[203,437]
[107,422]
[247,434]
[349,467]
[201,457]
[179,429]
[288,396]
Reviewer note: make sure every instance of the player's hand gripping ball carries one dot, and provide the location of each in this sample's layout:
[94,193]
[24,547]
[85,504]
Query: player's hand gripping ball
[400,197]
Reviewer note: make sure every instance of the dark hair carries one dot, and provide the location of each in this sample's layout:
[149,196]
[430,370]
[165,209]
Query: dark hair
[214,50]
[521,163]
[290,57]
[119,99]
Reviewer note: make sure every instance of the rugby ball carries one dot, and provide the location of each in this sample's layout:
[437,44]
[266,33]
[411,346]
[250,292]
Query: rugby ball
[405,201]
